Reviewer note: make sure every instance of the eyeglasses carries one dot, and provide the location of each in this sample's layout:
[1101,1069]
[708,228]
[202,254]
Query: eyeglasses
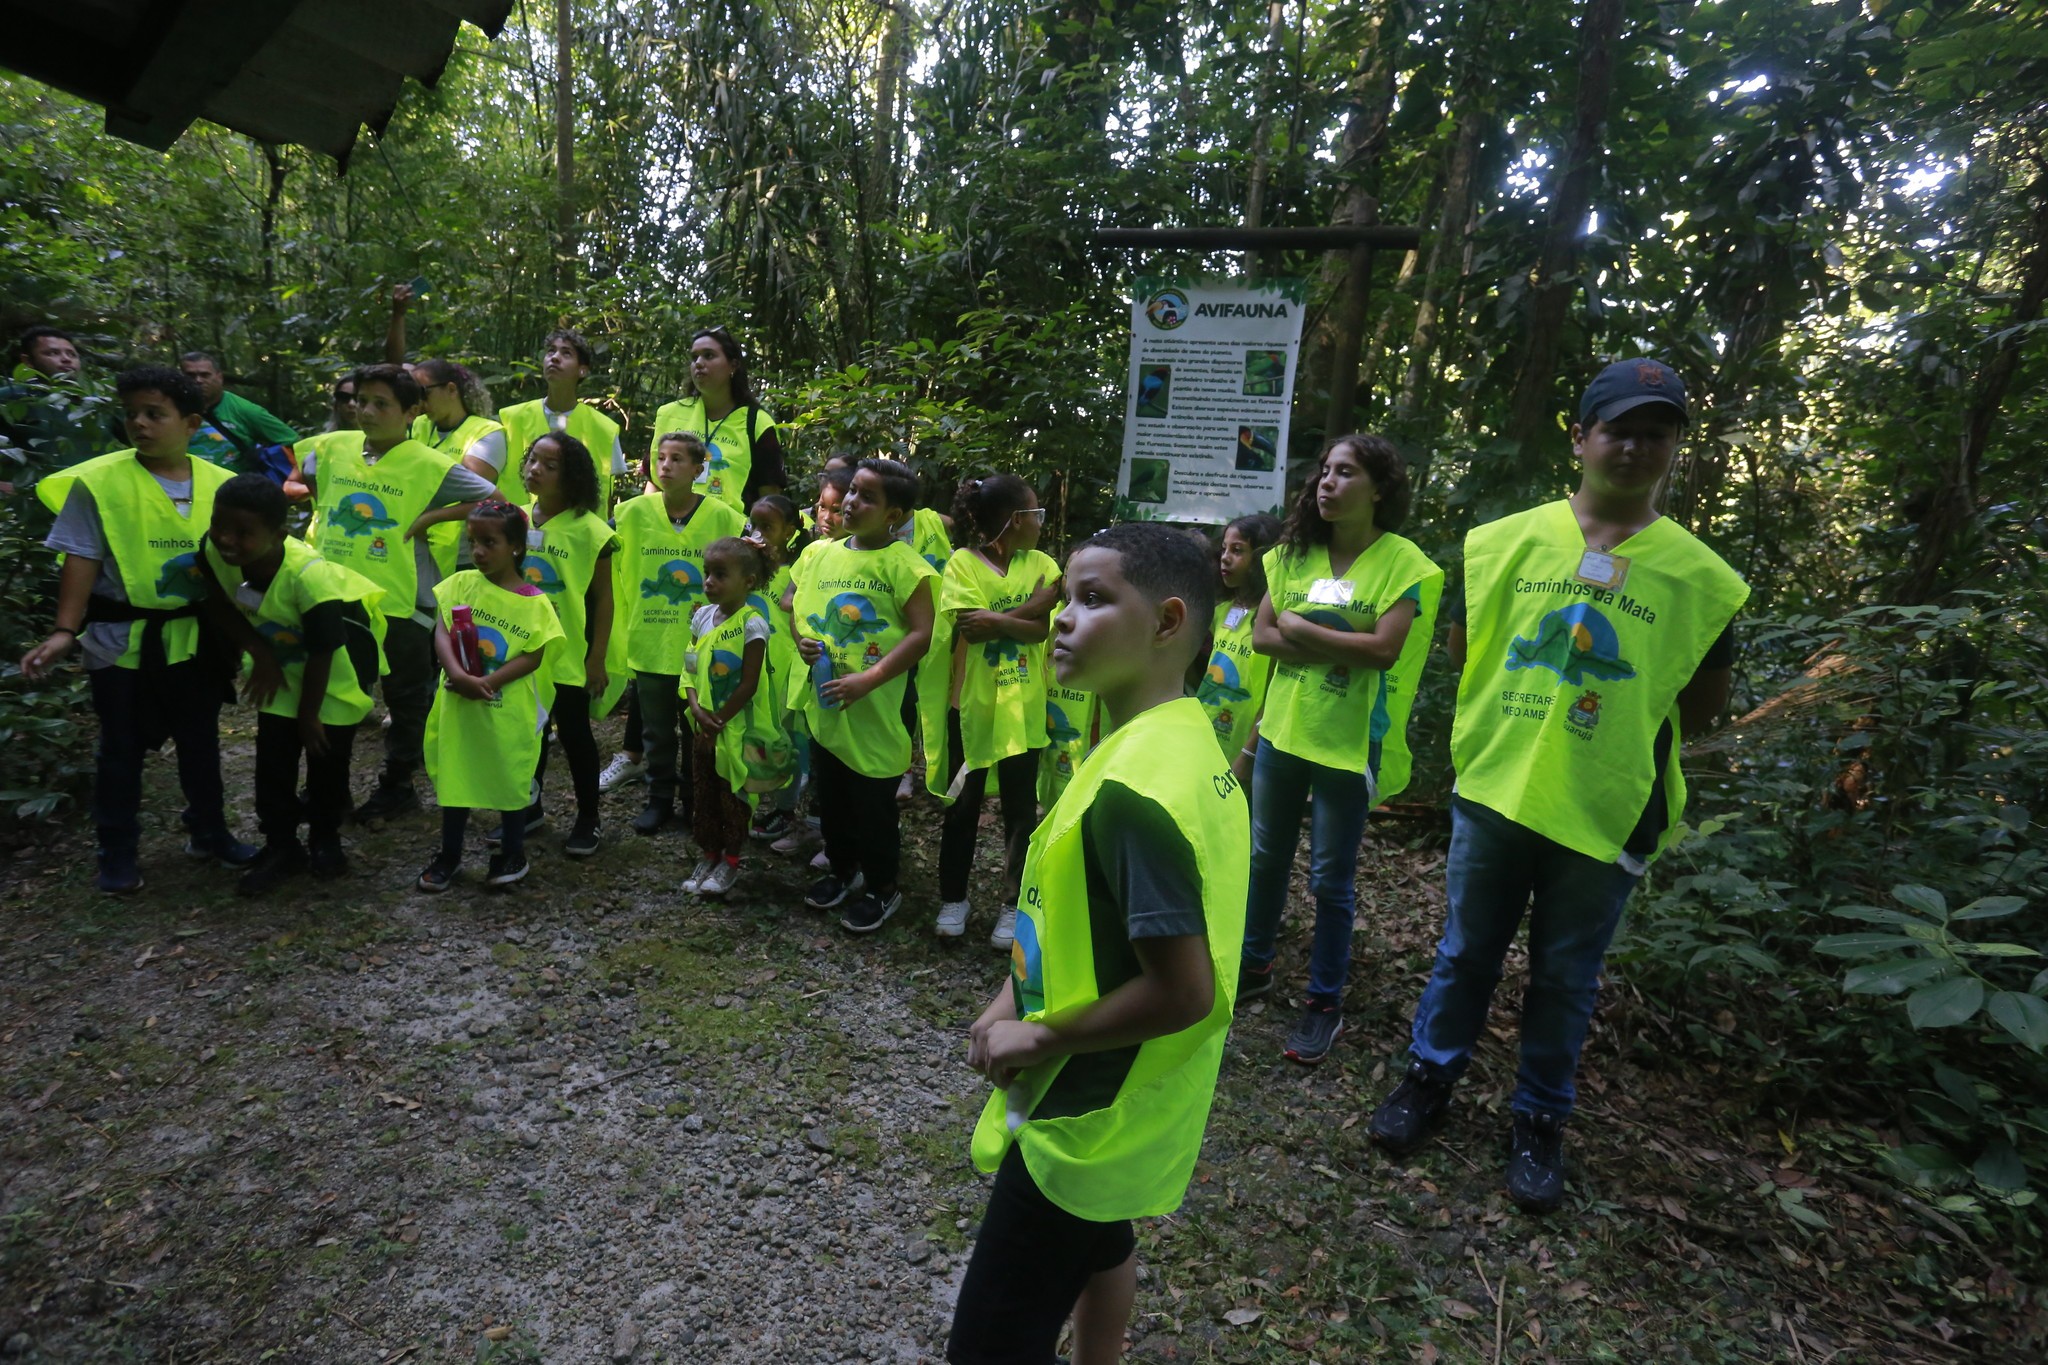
[1036,514]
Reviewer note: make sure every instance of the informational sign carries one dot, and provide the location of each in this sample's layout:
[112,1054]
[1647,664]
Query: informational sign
[1211,382]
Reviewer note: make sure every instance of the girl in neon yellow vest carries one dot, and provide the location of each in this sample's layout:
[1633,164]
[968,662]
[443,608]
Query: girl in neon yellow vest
[658,583]
[456,420]
[774,529]
[566,553]
[1233,686]
[1346,620]
[484,733]
[996,597]
[128,525]
[741,750]
[745,452]
[324,626]
[1106,1040]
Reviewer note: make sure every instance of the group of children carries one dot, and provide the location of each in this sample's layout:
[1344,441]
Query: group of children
[1137,694]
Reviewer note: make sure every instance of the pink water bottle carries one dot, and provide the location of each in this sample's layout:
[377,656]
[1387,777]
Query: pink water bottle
[462,630]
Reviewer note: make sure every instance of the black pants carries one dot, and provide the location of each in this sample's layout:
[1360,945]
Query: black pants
[278,745]
[1031,1261]
[633,739]
[408,696]
[857,816]
[1017,786]
[511,835]
[570,722]
[664,741]
[184,698]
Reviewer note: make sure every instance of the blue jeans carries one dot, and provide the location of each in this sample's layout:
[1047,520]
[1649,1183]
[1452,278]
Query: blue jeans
[1281,784]
[1496,868]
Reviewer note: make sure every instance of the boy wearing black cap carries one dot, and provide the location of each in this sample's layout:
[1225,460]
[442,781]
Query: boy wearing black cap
[1596,635]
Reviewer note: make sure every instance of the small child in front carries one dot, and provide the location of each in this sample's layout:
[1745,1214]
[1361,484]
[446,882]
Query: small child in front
[1106,1040]
[322,622]
[725,683]
[483,735]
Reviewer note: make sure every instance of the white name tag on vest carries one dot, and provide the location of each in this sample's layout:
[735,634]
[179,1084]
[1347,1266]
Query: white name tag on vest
[249,597]
[1233,618]
[535,538]
[1599,569]
[1331,592]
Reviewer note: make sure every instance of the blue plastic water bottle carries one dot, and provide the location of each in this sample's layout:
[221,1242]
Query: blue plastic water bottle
[822,673]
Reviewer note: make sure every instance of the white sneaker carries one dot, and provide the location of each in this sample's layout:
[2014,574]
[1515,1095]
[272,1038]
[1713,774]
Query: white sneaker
[1006,929]
[622,769]
[800,837]
[906,790]
[719,880]
[695,881]
[821,863]
[952,919]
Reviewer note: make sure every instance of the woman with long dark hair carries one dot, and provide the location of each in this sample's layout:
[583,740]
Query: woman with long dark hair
[720,406]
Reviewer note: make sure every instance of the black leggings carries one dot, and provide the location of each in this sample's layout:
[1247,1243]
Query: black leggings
[570,722]
[857,816]
[1030,1263]
[1017,786]
[455,823]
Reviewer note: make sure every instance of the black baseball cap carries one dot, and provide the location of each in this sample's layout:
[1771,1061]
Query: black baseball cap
[1628,384]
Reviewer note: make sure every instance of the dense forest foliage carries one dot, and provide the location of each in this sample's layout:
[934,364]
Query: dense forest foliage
[1832,217]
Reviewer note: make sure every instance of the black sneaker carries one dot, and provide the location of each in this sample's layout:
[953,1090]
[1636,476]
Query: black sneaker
[119,873]
[1405,1117]
[1253,982]
[274,865]
[326,860]
[535,819]
[223,847]
[828,891]
[870,912]
[582,841]
[774,825]
[656,814]
[1315,1034]
[390,798]
[436,877]
[1536,1162]
[503,872]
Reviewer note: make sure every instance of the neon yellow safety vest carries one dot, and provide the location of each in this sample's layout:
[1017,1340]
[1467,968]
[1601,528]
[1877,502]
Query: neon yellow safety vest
[1134,1157]
[783,660]
[305,581]
[728,444]
[658,577]
[444,538]
[526,423]
[1233,687]
[365,510]
[155,549]
[563,565]
[853,601]
[1002,681]
[481,754]
[754,754]
[928,537]
[1071,718]
[1566,685]
[1341,717]
[312,449]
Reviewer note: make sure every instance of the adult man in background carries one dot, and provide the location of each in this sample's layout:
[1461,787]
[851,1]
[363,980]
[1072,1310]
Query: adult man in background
[47,419]
[234,429]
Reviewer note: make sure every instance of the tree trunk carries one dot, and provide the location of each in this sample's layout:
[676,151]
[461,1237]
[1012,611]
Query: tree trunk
[1532,408]
[565,146]
[1446,247]
[888,87]
[274,160]
[1262,137]
[1952,509]
[1349,277]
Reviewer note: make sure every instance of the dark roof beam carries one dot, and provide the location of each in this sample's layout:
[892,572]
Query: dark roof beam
[201,52]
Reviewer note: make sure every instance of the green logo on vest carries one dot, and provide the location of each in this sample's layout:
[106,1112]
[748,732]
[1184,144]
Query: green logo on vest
[677,583]
[1222,689]
[725,676]
[541,574]
[359,514]
[284,642]
[1573,642]
[849,618]
[180,577]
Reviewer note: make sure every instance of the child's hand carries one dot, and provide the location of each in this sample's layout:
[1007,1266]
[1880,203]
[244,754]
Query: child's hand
[418,528]
[975,627]
[843,692]
[809,648]
[470,686]
[1008,1046]
[266,679]
[1289,624]
[595,679]
[313,735]
[707,723]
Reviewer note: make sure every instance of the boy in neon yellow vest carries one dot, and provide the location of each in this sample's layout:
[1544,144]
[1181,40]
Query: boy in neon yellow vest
[1595,637]
[129,597]
[1106,1040]
[565,362]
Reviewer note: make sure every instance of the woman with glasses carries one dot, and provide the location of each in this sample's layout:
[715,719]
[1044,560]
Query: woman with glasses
[457,422]
[997,598]
[720,407]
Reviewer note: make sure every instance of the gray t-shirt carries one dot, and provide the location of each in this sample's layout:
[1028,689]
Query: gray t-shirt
[457,485]
[79,531]
[489,447]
